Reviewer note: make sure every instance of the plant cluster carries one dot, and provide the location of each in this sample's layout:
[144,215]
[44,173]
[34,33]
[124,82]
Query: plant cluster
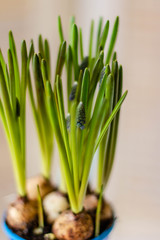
[89,113]
[88,124]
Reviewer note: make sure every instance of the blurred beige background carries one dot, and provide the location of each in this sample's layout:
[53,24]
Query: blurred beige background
[134,188]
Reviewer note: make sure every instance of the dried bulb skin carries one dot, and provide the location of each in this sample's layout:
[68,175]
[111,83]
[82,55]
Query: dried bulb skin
[44,186]
[54,203]
[21,213]
[106,212]
[69,226]
[90,202]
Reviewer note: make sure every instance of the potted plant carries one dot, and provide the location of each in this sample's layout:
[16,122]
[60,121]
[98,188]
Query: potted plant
[94,98]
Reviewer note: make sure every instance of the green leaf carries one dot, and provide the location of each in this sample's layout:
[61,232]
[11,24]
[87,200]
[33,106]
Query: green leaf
[112,40]
[96,72]
[44,71]
[91,41]
[81,44]
[109,94]
[69,73]
[15,63]
[60,29]
[31,51]
[62,119]
[72,22]
[74,148]
[23,98]
[78,89]
[12,81]
[114,58]
[47,57]
[75,51]
[4,67]
[85,88]
[105,69]
[18,162]
[99,34]
[38,81]
[40,45]
[104,36]
[115,110]
[61,59]
[4,121]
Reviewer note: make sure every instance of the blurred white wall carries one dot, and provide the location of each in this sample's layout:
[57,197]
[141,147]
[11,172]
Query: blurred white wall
[134,186]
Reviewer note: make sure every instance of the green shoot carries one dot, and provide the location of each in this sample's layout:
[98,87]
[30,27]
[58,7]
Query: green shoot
[112,40]
[104,36]
[40,46]
[47,57]
[98,34]
[72,22]
[15,63]
[60,29]
[98,213]
[85,87]
[69,74]
[81,44]
[12,109]
[91,41]
[40,209]
[75,51]
[60,59]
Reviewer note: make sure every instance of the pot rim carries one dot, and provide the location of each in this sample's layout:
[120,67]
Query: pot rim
[14,236]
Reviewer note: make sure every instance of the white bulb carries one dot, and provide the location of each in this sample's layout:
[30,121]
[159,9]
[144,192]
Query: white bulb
[54,203]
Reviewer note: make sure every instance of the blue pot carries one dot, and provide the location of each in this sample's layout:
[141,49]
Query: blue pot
[12,236]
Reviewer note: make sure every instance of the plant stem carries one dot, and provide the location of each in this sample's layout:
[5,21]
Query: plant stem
[98,213]
[40,209]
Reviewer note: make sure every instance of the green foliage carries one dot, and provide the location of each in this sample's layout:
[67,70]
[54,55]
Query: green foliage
[94,97]
[13,106]
[92,112]
[42,73]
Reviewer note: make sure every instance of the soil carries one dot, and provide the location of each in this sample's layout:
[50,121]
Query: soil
[28,234]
